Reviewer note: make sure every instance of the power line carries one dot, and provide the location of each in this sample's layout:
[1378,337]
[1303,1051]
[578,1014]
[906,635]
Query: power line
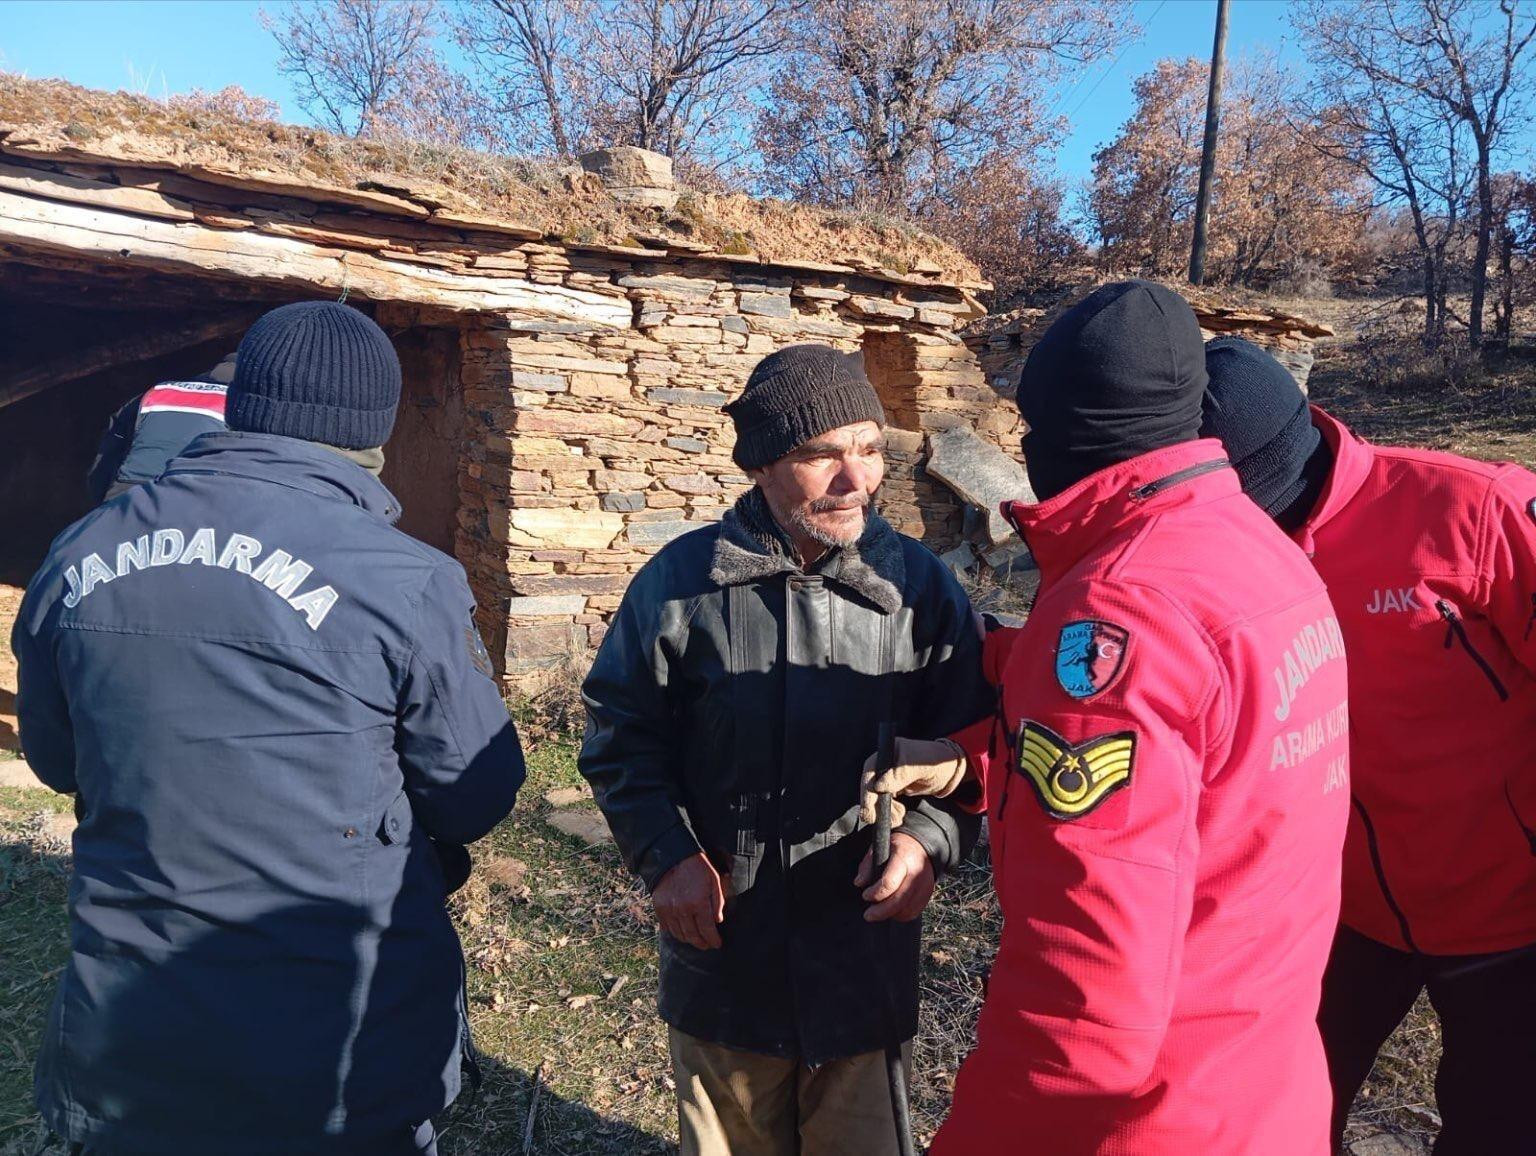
[1105,74]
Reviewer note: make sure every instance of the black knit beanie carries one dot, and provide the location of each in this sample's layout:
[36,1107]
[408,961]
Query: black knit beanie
[1119,374]
[795,394]
[1260,414]
[316,370]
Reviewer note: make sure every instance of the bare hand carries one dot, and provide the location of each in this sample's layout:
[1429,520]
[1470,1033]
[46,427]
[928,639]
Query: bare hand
[906,885]
[690,902]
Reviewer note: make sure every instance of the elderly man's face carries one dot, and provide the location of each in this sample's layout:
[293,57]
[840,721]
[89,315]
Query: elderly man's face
[821,490]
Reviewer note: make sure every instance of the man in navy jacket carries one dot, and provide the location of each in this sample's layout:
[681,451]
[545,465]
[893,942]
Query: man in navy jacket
[270,702]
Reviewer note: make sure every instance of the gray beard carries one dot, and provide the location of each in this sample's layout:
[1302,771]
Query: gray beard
[801,520]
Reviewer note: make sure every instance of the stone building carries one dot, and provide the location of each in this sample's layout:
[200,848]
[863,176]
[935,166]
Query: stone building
[568,338]
[1001,342]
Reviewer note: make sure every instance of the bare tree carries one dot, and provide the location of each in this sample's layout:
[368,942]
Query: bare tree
[1432,87]
[881,102]
[670,75]
[1369,76]
[528,52]
[349,58]
[1476,85]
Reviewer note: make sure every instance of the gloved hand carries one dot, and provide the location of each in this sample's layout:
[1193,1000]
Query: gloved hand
[932,767]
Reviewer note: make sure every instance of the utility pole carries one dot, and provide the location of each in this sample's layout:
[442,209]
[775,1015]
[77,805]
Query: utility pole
[1208,152]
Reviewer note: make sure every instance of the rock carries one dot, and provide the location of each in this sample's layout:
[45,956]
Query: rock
[981,474]
[1297,361]
[567,796]
[767,304]
[686,445]
[589,826]
[961,558]
[546,606]
[629,167]
[573,529]
[879,307]
[531,647]
[712,398]
[633,176]
[623,503]
[658,533]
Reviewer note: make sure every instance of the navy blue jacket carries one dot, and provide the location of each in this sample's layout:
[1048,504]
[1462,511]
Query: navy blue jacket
[268,700]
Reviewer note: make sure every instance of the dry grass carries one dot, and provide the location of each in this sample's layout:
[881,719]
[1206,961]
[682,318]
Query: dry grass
[533,193]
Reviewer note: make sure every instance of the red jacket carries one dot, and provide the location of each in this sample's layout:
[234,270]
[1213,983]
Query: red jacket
[1431,562]
[1166,831]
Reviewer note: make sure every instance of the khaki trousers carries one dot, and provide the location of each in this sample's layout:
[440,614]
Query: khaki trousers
[736,1103]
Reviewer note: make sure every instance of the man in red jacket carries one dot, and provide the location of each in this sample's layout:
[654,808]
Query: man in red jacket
[1168,816]
[1431,562]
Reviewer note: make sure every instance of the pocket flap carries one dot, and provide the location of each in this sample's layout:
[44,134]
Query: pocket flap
[395,827]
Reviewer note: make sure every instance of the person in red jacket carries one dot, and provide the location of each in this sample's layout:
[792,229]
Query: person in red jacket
[1168,815]
[1431,562]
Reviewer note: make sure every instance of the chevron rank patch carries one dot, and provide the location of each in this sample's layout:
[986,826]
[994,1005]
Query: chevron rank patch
[1071,779]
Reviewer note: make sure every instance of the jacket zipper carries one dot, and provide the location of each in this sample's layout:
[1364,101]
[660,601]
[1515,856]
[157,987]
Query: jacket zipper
[1381,873]
[1178,477]
[1456,629]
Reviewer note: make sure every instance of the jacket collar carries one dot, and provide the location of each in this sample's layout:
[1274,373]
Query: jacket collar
[751,546]
[1063,529]
[289,462]
[1353,458]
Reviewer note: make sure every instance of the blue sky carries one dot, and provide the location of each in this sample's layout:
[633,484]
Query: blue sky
[166,46]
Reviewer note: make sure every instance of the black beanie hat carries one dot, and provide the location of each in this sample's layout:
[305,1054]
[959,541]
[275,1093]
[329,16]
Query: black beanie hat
[316,370]
[1119,374]
[795,394]
[1260,414]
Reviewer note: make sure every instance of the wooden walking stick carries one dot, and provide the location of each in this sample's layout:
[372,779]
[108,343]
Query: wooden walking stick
[895,1071]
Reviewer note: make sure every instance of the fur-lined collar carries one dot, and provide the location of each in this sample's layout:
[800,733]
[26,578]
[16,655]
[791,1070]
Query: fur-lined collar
[751,546]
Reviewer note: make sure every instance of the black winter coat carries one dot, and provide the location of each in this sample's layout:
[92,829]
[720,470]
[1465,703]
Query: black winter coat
[730,709]
[268,699]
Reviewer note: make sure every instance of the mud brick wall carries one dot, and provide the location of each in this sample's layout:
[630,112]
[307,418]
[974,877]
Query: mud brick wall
[589,448]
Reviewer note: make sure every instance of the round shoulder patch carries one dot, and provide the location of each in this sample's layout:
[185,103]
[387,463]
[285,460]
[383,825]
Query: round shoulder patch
[1089,656]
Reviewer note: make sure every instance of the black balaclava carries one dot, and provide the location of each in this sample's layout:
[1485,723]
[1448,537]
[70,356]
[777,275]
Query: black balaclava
[1119,374]
[1258,411]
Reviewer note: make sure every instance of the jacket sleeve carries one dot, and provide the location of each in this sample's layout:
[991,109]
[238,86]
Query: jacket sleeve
[629,755]
[1508,567]
[458,749]
[951,693]
[1097,898]
[116,441]
[1508,594]
[47,737]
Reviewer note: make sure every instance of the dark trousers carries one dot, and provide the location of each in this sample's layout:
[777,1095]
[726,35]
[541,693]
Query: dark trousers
[1486,1081]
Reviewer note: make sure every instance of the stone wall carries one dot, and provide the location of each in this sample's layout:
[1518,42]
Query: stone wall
[1001,343]
[588,449]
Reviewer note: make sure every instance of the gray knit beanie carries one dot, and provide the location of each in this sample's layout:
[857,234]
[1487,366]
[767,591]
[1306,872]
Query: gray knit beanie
[795,394]
[319,371]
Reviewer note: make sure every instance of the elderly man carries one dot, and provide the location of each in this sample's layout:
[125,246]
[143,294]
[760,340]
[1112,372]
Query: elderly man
[731,709]
[271,704]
